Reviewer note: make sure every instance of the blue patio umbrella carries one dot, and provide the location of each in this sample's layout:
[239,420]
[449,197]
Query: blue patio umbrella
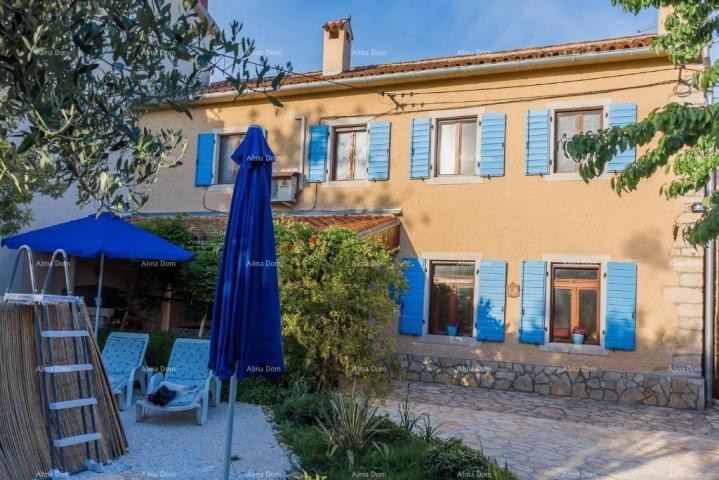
[245,335]
[105,235]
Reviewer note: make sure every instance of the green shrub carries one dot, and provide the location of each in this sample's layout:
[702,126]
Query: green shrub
[453,459]
[350,424]
[261,391]
[336,305]
[304,409]
[391,432]
[159,349]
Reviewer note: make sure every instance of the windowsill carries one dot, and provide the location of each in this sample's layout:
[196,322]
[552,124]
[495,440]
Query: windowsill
[347,183]
[572,348]
[447,340]
[454,180]
[572,177]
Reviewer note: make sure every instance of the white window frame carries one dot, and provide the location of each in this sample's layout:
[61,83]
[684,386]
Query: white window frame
[558,347]
[437,116]
[344,122]
[429,257]
[580,104]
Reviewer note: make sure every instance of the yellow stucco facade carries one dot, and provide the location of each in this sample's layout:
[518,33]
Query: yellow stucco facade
[512,218]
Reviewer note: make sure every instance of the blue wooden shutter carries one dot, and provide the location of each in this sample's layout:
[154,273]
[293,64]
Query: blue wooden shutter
[317,163]
[412,305]
[419,155]
[620,115]
[537,152]
[491,303]
[378,161]
[621,321]
[491,155]
[534,281]
[205,159]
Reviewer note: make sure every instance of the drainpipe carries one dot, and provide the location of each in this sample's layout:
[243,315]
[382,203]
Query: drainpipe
[303,136]
[709,262]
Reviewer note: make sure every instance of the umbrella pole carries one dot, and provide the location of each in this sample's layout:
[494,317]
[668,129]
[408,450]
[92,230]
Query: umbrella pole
[98,299]
[230,423]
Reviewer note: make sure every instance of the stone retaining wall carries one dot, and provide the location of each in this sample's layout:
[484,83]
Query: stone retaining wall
[670,389]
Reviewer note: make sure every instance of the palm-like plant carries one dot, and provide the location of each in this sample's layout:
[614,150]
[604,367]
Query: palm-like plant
[350,424]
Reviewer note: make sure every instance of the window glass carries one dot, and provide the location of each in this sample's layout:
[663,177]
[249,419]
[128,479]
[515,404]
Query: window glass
[343,156]
[577,273]
[464,269]
[566,128]
[227,168]
[592,121]
[562,312]
[465,306]
[350,154]
[588,313]
[447,148]
[452,298]
[360,167]
[569,124]
[468,148]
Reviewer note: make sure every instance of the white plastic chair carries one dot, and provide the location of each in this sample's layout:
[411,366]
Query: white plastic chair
[187,367]
[124,359]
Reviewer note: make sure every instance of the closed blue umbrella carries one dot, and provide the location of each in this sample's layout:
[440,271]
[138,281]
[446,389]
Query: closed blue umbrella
[105,235]
[246,336]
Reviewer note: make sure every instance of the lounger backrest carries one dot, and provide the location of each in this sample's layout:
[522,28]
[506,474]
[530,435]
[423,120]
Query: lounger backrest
[188,361]
[124,351]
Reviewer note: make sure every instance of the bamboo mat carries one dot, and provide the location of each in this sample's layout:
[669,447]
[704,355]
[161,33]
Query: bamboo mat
[24,451]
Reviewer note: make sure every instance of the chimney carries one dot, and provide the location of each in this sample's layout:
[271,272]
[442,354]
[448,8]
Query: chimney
[662,14]
[337,46]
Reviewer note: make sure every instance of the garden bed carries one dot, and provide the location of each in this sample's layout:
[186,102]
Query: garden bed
[409,449]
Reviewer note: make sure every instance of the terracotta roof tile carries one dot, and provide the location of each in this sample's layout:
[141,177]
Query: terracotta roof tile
[205,226]
[358,223]
[577,48]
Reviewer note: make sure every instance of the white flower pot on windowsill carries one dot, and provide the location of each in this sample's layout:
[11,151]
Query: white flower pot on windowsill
[577,338]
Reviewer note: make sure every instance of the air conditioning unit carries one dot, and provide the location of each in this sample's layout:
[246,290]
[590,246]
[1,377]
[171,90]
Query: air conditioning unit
[284,188]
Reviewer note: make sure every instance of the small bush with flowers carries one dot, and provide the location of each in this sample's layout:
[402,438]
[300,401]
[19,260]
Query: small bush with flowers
[336,303]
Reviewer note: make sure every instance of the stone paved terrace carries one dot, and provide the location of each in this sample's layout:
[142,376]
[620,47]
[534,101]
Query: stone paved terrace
[543,437]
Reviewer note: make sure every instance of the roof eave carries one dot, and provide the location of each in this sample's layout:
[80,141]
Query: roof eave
[446,72]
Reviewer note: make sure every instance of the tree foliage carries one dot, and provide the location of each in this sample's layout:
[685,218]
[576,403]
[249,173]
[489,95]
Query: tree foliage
[193,281]
[336,305]
[685,134]
[337,291]
[76,77]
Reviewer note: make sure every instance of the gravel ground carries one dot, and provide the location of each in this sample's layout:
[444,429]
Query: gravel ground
[173,446]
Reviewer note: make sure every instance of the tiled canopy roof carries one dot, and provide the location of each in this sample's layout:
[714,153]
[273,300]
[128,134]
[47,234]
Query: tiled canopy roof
[204,226]
[567,49]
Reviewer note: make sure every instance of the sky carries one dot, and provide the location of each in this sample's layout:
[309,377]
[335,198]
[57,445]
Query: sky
[396,30]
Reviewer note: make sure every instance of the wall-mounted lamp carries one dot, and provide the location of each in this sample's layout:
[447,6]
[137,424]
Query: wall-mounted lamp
[698,207]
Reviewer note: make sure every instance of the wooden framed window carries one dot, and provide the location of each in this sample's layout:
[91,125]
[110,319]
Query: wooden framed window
[226,167]
[451,297]
[575,302]
[456,152]
[567,124]
[349,160]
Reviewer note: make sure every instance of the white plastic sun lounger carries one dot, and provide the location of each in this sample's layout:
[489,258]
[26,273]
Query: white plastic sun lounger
[124,359]
[187,367]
